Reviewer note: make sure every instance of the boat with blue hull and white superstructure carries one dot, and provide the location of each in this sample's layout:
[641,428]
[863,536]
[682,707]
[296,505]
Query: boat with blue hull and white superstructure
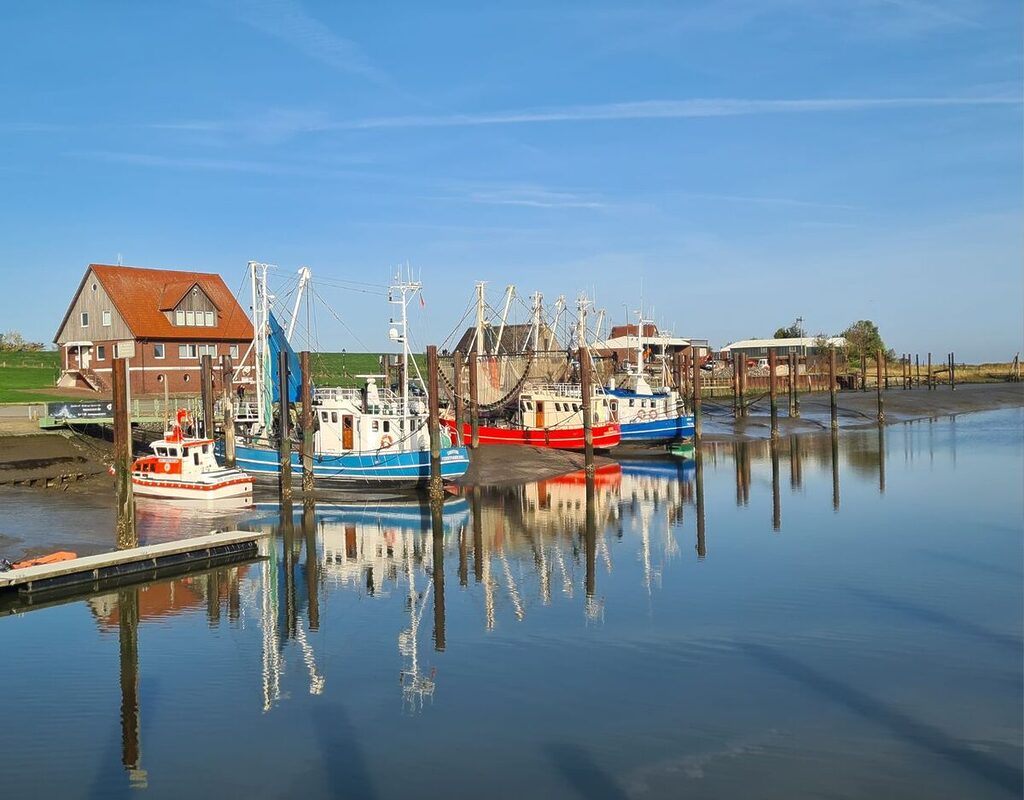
[645,415]
[371,437]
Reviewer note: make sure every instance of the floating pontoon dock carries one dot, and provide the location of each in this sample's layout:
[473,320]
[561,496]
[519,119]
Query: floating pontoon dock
[143,563]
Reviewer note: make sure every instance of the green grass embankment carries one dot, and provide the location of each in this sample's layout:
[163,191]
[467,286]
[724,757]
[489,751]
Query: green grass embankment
[25,377]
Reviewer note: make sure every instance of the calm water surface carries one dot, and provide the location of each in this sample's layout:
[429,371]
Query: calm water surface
[840,620]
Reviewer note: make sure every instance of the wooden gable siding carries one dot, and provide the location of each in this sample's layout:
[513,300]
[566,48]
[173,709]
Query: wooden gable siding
[194,300]
[94,301]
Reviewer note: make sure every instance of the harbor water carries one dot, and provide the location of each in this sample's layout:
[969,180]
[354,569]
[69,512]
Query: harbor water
[835,617]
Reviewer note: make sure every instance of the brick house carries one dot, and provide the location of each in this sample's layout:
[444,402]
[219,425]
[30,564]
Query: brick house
[170,319]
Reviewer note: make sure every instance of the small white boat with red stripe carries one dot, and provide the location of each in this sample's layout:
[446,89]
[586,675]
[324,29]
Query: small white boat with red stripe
[183,467]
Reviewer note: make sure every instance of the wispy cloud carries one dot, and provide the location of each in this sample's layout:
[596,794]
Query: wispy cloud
[288,20]
[671,109]
[284,124]
[533,197]
[768,201]
[207,164]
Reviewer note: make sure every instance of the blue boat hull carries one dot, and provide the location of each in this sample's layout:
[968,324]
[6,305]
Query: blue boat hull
[658,430]
[397,469]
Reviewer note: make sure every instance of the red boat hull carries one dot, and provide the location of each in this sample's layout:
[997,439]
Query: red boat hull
[605,436]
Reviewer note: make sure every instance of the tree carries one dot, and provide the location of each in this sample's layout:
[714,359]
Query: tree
[863,339]
[14,342]
[794,331]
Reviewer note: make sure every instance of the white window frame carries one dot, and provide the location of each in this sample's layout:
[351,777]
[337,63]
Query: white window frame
[190,319]
[179,318]
[101,352]
[84,319]
[210,320]
[234,351]
[106,319]
[159,350]
[188,351]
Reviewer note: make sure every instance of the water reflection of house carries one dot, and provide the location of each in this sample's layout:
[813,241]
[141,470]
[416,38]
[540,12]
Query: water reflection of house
[169,598]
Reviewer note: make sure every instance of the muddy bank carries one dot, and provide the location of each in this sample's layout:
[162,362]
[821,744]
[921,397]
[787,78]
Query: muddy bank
[51,459]
[857,409]
[502,464]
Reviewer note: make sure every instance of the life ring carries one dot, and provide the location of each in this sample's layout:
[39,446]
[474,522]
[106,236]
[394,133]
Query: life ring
[386,441]
[167,467]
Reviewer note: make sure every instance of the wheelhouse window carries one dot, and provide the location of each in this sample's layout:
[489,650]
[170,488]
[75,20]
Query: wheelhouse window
[85,319]
[158,351]
[334,416]
[161,451]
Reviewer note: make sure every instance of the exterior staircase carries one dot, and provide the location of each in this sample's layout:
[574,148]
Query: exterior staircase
[96,383]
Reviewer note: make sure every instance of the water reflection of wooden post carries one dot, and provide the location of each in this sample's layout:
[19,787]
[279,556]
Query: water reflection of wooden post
[458,364]
[795,471]
[227,378]
[284,453]
[206,393]
[288,535]
[128,636]
[586,394]
[474,401]
[463,557]
[879,360]
[702,550]
[478,535]
[437,528]
[739,473]
[776,499]
[312,561]
[213,598]
[833,401]
[436,489]
[835,470]
[590,540]
[881,459]
[307,424]
[773,399]
[126,533]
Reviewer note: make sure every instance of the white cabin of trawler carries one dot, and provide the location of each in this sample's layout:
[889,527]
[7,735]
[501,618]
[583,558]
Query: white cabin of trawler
[556,407]
[371,419]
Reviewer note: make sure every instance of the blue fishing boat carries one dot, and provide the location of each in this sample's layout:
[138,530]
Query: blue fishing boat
[371,436]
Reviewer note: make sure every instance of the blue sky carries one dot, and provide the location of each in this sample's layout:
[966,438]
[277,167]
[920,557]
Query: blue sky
[739,163]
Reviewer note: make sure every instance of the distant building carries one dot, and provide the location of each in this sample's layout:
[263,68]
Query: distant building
[514,339]
[802,346]
[163,320]
[622,344]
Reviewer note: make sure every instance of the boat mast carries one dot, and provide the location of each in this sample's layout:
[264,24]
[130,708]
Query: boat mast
[406,289]
[304,276]
[538,311]
[510,291]
[480,318]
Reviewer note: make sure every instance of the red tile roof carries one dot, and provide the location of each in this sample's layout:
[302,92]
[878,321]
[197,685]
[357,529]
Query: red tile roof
[142,295]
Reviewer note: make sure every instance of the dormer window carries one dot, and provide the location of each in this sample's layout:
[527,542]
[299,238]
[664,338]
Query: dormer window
[179,318]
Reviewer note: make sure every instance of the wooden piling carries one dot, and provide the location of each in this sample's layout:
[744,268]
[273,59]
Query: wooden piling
[931,384]
[586,392]
[458,365]
[206,393]
[772,392]
[735,387]
[227,373]
[917,364]
[878,368]
[952,371]
[284,451]
[436,488]
[698,425]
[794,410]
[306,397]
[474,401]
[126,533]
[833,404]
[743,387]
[863,372]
